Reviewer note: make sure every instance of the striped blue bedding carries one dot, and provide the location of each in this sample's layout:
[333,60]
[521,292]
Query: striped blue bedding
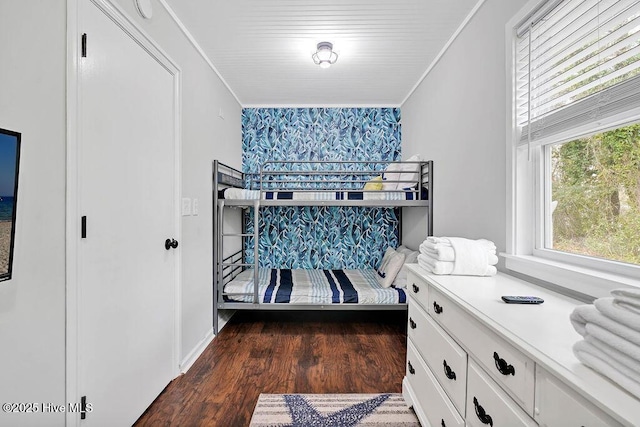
[313,287]
[242,194]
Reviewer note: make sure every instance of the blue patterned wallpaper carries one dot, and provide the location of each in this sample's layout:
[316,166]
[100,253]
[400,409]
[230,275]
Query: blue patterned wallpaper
[307,237]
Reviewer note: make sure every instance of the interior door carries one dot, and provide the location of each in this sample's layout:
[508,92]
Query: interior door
[127,277]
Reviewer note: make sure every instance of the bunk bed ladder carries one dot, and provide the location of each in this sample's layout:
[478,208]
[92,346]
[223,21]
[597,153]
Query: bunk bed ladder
[220,261]
[228,267]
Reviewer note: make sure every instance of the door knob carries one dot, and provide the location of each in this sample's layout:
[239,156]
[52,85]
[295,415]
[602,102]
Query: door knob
[170,243]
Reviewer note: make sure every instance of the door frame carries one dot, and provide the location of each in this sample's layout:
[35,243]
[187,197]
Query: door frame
[74,115]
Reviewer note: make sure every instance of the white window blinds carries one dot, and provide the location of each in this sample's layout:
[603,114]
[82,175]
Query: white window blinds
[577,62]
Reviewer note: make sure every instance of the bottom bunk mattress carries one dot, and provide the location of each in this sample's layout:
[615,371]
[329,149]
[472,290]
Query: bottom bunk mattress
[313,287]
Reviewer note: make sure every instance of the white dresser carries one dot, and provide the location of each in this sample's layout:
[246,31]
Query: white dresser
[474,360]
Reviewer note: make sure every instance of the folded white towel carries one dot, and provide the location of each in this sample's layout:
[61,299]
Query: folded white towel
[613,341]
[446,267]
[619,354]
[584,315]
[623,313]
[432,240]
[434,266]
[471,257]
[438,251]
[488,244]
[430,245]
[443,252]
[441,240]
[424,264]
[493,259]
[591,356]
[629,307]
[628,296]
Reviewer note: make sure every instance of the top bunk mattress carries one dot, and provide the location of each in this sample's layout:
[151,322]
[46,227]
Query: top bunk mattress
[242,194]
[313,287]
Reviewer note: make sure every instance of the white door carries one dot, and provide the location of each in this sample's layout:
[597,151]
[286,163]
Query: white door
[127,173]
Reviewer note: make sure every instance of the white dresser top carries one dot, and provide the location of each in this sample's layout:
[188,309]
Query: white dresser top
[541,331]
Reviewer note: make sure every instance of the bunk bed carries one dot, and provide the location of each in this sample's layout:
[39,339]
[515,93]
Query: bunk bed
[240,284]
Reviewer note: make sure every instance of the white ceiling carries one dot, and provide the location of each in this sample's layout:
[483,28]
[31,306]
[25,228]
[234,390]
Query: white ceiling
[262,48]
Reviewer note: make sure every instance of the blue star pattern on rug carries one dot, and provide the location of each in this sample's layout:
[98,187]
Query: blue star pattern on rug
[303,414]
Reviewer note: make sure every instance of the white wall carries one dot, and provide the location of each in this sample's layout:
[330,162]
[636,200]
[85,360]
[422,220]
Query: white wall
[32,101]
[457,118]
[205,137]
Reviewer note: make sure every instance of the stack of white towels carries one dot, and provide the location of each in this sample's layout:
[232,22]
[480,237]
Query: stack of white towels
[611,331]
[457,255]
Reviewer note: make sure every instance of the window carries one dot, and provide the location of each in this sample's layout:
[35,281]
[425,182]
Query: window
[595,195]
[575,149]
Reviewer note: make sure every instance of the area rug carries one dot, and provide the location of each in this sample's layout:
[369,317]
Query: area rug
[332,410]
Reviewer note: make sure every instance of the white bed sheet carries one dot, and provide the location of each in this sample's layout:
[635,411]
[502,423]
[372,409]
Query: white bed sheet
[314,287]
[242,194]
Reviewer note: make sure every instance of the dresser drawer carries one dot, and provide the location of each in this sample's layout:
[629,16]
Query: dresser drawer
[418,289]
[488,404]
[558,405]
[431,399]
[447,360]
[508,366]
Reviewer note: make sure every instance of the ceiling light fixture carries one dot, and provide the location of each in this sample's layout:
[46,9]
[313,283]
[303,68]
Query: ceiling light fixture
[324,56]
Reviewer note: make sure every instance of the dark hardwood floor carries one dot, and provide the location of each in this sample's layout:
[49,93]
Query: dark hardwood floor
[284,352]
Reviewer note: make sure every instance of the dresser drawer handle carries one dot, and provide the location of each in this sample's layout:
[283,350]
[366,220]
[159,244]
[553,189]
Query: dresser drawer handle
[415,288]
[437,308]
[412,323]
[448,371]
[411,370]
[502,366]
[481,414]
[442,423]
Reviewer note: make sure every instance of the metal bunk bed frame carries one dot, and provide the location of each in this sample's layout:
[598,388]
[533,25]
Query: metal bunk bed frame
[227,268]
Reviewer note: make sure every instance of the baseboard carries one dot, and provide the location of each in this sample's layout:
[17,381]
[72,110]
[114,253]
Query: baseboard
[223,317]
[193,355]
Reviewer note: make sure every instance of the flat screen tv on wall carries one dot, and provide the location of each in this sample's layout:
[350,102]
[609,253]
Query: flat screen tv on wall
[9,162]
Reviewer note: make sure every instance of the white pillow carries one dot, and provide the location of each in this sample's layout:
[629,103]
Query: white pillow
[410,257]
[410,173]
[386,176]
[389,267]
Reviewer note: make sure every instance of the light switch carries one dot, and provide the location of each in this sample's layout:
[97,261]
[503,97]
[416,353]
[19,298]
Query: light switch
[186,206]
[194,207]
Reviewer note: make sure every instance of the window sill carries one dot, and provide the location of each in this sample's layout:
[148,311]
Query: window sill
[567,277]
